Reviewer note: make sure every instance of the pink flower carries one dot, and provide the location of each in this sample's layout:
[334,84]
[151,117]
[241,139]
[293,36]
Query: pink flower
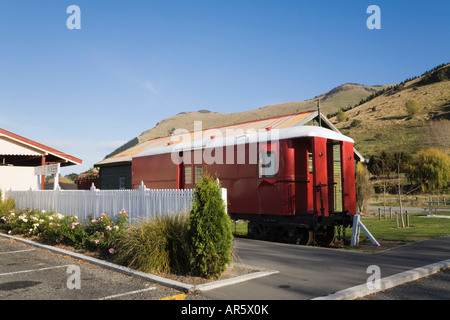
[116,227]
[96,241]
[108,228]
[102,234]
[111,250]
[74,224]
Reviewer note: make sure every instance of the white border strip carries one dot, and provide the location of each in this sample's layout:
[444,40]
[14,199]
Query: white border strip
[388,282]
[16,251]
[33,270]
[127,293]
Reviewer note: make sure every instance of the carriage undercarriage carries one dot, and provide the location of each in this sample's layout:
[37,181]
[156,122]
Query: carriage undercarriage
[299,229]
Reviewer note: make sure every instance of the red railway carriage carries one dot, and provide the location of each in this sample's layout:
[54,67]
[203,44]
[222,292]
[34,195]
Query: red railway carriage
[294,184]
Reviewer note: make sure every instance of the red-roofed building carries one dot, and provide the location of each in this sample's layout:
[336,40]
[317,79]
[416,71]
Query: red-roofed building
[18,158]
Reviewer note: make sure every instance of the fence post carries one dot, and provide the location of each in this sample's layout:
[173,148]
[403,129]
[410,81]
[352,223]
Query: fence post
[141,201]
[355,231]
[367,232]
[407,219]
[225,198]
[403,221]
[94,201]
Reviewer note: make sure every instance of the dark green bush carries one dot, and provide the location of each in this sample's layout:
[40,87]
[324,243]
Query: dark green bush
[210,234]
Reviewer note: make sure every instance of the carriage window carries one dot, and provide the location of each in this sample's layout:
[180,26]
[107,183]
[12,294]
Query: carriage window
[268,164]
[187,175]
[198,174]
[310,162]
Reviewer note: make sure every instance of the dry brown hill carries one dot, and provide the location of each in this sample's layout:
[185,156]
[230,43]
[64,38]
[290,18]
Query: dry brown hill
[343,96]
[383,124]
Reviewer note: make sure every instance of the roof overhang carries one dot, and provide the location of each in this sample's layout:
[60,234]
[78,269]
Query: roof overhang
[21,151]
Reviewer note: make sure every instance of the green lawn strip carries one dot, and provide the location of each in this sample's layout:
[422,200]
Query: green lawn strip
[420,227]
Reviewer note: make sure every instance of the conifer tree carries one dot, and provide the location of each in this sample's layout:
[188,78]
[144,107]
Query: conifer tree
[210,234]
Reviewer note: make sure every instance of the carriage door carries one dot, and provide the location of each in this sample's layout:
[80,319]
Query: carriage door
[348,178]
[320,180]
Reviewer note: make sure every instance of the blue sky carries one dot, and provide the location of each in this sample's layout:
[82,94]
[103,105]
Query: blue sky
[133,63]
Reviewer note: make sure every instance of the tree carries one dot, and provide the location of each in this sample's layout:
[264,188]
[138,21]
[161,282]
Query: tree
[341,116]
[413,107]
[431,168]
[382,166]
[210,234]
[364,189]
[71,176]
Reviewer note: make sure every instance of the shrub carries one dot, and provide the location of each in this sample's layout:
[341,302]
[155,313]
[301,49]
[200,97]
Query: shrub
[159,244]
[93,234]
[341,116]
[355,123]
[413,107]
[6,205]
[102,233]
[210,235]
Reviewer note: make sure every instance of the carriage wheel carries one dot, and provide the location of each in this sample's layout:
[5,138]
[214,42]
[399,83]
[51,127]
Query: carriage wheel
[255,230]
[304,237]
[324,237]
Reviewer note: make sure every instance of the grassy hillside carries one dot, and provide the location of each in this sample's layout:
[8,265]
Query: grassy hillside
[383,124]
[344,96]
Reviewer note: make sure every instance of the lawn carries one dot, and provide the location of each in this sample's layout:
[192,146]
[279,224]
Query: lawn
[420,228]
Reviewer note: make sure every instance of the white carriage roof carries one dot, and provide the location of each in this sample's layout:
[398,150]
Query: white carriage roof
[213,138]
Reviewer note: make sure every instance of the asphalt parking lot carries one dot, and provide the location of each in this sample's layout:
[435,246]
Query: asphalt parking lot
[29,273]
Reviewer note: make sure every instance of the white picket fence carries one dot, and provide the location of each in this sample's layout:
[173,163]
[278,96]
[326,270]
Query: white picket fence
[139,203]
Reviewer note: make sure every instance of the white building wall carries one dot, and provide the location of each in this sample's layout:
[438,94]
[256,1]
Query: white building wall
[17,178]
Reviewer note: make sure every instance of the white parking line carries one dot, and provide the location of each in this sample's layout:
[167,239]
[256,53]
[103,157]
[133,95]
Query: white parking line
[7,252]
[32,270]
[127,293]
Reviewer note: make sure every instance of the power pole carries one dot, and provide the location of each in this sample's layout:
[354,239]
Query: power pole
[318,112]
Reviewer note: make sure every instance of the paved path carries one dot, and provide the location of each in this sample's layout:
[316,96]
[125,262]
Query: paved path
[310,272]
